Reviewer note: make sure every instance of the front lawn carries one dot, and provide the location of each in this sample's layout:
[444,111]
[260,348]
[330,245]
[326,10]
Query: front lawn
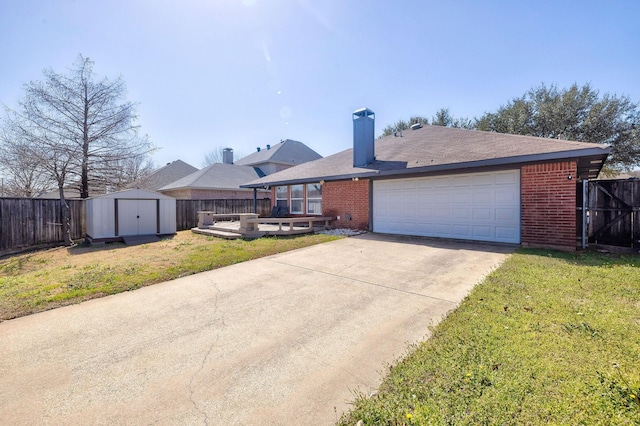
[548,338]
[38,281]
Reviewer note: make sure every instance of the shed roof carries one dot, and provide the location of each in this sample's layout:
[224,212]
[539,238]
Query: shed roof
[219,176]
[287,152]
[434,148]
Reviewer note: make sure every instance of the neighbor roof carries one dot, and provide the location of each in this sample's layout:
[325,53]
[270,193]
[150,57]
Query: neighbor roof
[165,175]
[435,148]
[216,176]
[288,152]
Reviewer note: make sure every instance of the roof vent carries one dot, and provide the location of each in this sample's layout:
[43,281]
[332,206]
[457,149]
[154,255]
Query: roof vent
[268,146]
[416,126]
[258,149]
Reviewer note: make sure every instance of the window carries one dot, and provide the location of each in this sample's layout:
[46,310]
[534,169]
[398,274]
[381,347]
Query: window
[282,196]
[297,199]
[314,198]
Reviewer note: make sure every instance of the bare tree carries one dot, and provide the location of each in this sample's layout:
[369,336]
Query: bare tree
[74,129]
[22,176]
[89,114]
[49,153]
[213,157]
[217,156]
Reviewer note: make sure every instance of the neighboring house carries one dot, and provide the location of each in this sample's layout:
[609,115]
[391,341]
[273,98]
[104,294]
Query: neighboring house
[156,180]
[284,155]
[223,180]
[167,174]
[445,182]
[217,181]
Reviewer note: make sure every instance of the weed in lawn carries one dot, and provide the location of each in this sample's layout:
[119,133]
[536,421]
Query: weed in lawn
[618,391]
[566,315]
[13,266]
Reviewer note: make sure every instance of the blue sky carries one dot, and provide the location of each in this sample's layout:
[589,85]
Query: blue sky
[245,73]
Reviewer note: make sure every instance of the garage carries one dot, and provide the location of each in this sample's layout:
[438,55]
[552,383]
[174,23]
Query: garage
[473,206]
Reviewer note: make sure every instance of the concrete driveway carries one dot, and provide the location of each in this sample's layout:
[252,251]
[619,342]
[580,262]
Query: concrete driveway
[280,340]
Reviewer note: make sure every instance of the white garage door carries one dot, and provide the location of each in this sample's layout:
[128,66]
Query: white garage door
[475,206]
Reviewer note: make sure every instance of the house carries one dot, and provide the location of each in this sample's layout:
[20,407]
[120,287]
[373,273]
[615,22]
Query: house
[445,182]
[157,179]
[223,180]
[217,181]
[167,174]
[286,154]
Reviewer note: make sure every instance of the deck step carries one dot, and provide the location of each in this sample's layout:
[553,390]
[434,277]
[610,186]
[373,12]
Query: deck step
[217,233]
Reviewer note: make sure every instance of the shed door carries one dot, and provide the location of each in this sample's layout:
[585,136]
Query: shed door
[137,217]
[474,206]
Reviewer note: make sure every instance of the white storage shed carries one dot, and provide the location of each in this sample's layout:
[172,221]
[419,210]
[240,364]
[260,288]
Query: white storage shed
[130,212]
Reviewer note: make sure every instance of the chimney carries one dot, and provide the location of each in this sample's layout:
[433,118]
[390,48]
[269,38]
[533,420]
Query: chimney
[227,156]
[363,137]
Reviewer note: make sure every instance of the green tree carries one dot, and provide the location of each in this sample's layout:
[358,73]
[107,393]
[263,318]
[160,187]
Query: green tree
[442,117]
[576,113]
[401,125]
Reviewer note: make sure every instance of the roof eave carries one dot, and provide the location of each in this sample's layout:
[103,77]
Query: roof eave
[596,152]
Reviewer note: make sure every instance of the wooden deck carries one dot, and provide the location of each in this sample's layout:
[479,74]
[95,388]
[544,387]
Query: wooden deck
[250,226]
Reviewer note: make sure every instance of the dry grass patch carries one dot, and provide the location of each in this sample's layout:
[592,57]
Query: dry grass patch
[43,280]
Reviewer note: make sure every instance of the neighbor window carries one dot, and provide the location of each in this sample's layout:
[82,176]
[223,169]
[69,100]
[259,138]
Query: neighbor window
[282,196]
[314,198]
[297,199]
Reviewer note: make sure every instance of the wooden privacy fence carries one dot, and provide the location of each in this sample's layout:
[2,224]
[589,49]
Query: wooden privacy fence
[27,223]
[613,212]
[31,223]
[187,210]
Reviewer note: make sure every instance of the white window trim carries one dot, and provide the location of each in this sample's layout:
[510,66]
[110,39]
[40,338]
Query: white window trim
[291,199]
[313,199]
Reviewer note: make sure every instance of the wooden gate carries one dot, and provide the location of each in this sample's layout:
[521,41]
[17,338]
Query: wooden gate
[612,212]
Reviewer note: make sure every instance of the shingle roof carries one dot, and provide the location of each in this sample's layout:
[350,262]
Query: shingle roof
[167,174]
[216,176]
[288,152]
[436,148]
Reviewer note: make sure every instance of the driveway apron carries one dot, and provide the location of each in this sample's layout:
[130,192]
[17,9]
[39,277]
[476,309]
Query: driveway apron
[286,339]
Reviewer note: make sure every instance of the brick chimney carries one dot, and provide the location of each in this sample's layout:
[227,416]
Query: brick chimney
[363,137]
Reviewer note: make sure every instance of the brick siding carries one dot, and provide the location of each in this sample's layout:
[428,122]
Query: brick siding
[349,200]
[548,200]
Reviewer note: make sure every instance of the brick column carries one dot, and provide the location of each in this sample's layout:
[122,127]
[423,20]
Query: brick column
[548,200]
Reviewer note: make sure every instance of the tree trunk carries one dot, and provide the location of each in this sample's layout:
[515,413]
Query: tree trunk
[66,218]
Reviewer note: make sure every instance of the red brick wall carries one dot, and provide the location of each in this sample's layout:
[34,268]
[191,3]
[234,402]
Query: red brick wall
[549,205]
[347,198]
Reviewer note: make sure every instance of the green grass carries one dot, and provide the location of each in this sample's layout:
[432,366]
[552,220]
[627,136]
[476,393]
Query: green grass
[44,280]
[548,338]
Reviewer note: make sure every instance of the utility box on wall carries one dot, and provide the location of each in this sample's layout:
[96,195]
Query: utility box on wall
[131,212]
